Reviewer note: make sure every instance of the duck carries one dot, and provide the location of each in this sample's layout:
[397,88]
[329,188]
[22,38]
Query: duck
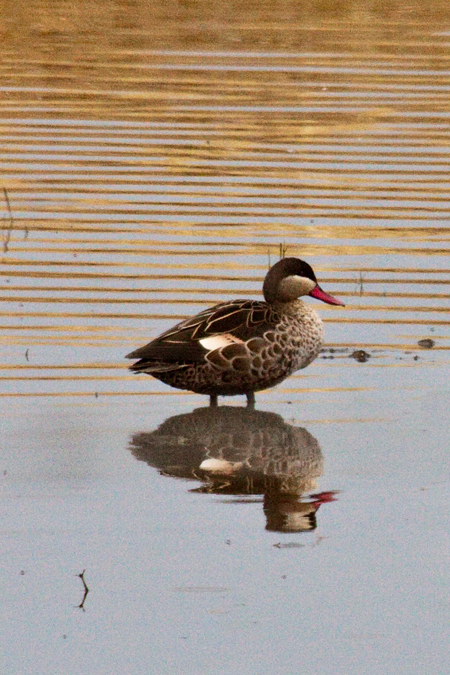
[240,347]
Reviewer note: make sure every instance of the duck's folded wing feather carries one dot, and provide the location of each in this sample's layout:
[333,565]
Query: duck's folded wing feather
[190,340]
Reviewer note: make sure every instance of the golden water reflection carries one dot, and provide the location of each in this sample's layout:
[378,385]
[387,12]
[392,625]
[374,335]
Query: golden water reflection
[155,156]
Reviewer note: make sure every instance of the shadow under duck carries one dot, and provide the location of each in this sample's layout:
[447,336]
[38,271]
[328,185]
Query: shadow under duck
[242,346]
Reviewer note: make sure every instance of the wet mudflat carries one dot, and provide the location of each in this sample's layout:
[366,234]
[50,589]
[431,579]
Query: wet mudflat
[153,159]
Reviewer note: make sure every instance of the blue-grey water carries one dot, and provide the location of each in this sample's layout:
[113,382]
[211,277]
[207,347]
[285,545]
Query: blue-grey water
[155,158]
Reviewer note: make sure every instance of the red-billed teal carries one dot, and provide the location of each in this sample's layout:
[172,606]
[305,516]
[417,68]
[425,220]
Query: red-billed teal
[242,346]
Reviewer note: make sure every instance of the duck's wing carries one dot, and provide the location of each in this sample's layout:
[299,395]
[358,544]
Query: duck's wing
[191,340]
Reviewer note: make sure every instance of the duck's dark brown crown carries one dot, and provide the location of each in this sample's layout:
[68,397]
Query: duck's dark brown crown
[286,267]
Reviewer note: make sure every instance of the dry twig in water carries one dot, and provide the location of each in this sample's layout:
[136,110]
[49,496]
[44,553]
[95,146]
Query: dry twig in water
[86,590]
[11,222]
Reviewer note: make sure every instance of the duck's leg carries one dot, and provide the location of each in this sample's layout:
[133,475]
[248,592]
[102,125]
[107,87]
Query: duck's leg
[251,399]
[213,401]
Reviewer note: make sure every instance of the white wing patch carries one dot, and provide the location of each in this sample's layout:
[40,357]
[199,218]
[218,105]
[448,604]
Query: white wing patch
[213,465]
[218,341]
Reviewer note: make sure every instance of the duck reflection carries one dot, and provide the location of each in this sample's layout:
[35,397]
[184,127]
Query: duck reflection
[242,451]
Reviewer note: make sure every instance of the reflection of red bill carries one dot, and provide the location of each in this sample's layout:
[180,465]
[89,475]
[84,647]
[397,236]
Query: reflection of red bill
[319,294]
[324,497]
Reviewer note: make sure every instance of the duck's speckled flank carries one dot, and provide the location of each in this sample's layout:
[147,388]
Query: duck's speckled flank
[259,363]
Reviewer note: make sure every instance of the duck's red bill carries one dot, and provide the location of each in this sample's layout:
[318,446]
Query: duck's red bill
[319,294]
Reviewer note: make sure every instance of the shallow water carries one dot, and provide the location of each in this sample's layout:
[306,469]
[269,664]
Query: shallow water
[155,157]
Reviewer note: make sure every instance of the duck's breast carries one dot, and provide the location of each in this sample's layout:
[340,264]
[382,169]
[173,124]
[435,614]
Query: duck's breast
[302,328]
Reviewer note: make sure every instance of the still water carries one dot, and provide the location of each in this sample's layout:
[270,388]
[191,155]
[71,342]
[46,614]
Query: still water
[155,159]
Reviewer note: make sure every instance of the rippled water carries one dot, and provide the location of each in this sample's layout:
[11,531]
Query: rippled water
[155,158]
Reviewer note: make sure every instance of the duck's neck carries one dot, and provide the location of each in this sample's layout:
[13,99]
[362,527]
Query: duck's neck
[294,307]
